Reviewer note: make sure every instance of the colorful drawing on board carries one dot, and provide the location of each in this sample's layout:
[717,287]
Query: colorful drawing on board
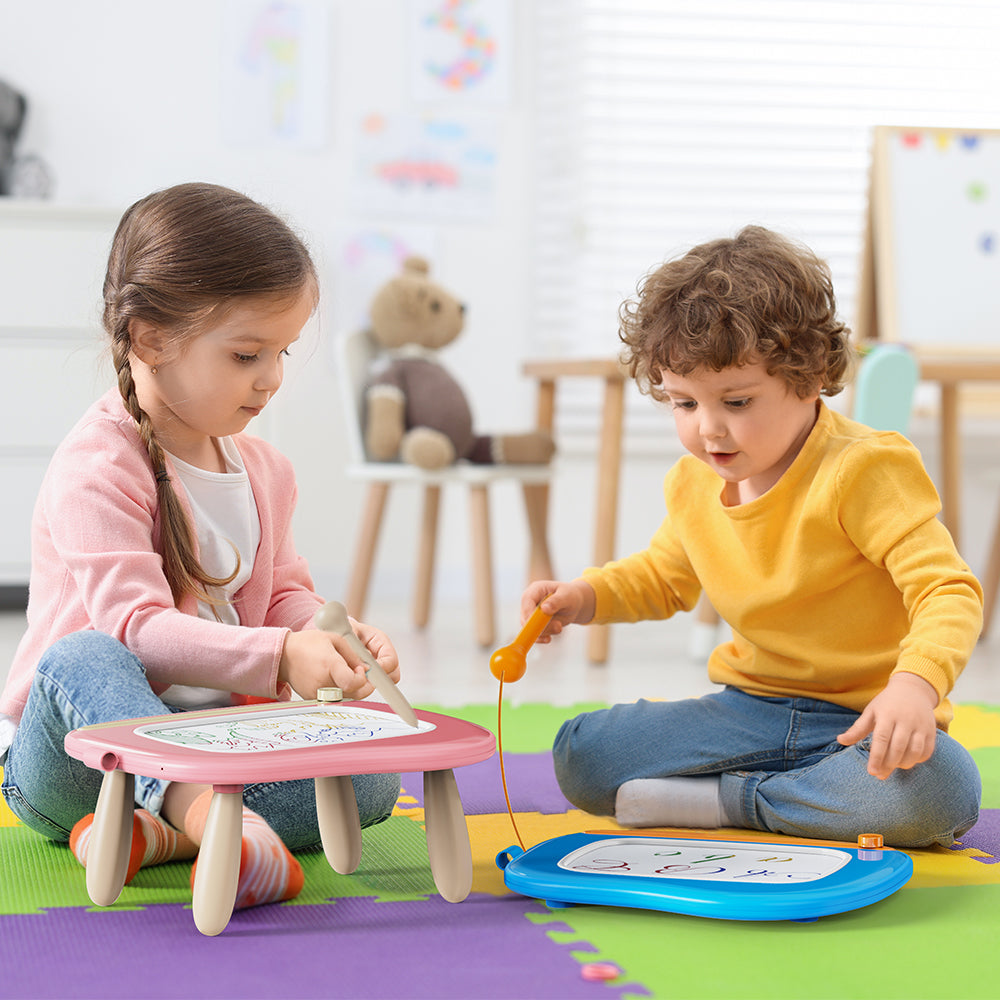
[296,729]
[275,72]
[426,167]
[689,860]
[459,49]
[732,880]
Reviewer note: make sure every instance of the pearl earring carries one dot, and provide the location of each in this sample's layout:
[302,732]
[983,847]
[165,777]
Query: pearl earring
[152,371]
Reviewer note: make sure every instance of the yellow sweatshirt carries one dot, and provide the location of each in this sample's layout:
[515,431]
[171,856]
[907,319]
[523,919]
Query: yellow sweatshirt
[837,576]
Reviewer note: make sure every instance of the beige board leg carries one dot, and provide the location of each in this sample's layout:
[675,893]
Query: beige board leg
[339,823]
[110,838]
[216,878]
[448,845]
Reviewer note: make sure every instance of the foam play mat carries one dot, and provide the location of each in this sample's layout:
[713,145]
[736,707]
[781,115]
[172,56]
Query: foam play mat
[385,932]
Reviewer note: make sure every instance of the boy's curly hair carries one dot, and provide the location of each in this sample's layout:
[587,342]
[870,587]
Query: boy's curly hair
[757,297]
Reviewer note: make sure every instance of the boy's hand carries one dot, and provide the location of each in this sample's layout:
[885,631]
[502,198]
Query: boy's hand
[571,603]
[901,722]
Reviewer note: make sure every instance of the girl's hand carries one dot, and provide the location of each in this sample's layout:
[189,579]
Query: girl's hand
[901,722]
[379,646]
[313,659]
[571,603]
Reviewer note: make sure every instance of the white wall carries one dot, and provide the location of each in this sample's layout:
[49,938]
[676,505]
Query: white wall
[126,97]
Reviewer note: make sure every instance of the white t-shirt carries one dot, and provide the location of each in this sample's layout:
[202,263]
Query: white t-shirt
[227,525]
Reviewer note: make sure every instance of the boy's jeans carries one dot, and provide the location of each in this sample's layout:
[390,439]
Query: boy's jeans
[782,769]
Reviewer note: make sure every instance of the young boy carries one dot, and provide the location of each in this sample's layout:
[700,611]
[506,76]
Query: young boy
[817,540]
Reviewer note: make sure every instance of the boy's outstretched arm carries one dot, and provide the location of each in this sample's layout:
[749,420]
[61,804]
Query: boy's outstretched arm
[901,722]
[569,603]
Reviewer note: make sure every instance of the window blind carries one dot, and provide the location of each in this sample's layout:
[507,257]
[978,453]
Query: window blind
[663,123]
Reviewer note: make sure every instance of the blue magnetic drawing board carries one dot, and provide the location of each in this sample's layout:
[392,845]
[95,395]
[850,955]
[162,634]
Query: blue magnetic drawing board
[730,880]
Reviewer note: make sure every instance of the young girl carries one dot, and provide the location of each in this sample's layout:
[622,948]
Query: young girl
[817,540]
[164,575]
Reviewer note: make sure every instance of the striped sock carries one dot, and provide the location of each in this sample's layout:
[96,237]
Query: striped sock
[269,872]
[153,842]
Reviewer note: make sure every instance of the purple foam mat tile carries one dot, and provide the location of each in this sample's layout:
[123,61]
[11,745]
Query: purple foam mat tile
[484,947]
[531,781]
[984,836]
[583,951]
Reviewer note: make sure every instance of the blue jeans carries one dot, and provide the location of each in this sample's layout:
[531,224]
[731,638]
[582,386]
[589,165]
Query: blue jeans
[87,678]
[782,769]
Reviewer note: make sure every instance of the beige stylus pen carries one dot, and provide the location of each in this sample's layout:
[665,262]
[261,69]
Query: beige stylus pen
[332,617]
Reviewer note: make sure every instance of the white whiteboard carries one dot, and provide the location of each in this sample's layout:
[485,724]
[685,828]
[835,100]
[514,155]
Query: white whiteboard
[937,220]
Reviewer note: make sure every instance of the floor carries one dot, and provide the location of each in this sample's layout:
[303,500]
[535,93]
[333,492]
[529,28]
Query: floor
[443,665]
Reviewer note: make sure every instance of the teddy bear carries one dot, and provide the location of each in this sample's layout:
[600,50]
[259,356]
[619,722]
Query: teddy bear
[415,410]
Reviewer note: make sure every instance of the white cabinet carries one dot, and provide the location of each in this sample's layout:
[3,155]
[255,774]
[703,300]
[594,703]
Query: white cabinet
[54,357]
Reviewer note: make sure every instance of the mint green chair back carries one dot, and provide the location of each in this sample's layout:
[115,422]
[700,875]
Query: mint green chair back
[886,383]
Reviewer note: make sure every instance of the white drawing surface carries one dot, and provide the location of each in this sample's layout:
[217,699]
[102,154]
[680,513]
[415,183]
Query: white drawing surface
[305,728]
[712,861]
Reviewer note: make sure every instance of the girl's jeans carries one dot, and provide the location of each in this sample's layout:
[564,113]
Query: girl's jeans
[88,677]
[782,769]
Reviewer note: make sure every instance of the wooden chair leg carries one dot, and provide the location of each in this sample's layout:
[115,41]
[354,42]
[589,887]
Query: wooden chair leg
[482,564]
[705,633]
[536,506]
[364,553]
[705,613]
[991,581]
[424,579]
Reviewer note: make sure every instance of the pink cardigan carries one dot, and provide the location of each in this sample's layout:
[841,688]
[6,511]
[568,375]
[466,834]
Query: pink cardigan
[95,564]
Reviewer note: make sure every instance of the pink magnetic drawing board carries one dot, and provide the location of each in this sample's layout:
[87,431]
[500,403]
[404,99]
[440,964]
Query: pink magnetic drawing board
[279,742]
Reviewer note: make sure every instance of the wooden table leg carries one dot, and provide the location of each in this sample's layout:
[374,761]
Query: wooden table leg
[448,846]
[110,838]
[536,497]
[536,505]
[951,462]
[339,823]
[482,565]
[608,474]
[217,876]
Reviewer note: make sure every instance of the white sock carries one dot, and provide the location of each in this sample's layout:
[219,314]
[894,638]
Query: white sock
[693,802]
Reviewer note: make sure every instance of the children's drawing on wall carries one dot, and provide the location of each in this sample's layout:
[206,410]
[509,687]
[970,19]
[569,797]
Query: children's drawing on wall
[460,50]
[367,256]
[426,166]
[275,73]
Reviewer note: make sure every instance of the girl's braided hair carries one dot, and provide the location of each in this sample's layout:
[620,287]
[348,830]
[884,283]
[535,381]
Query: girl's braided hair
[181,258]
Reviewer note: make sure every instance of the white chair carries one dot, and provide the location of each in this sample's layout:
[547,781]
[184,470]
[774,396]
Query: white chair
[356,353]
[882,398]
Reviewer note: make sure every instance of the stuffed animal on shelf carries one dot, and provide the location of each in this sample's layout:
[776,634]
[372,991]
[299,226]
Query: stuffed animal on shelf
[415,411]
